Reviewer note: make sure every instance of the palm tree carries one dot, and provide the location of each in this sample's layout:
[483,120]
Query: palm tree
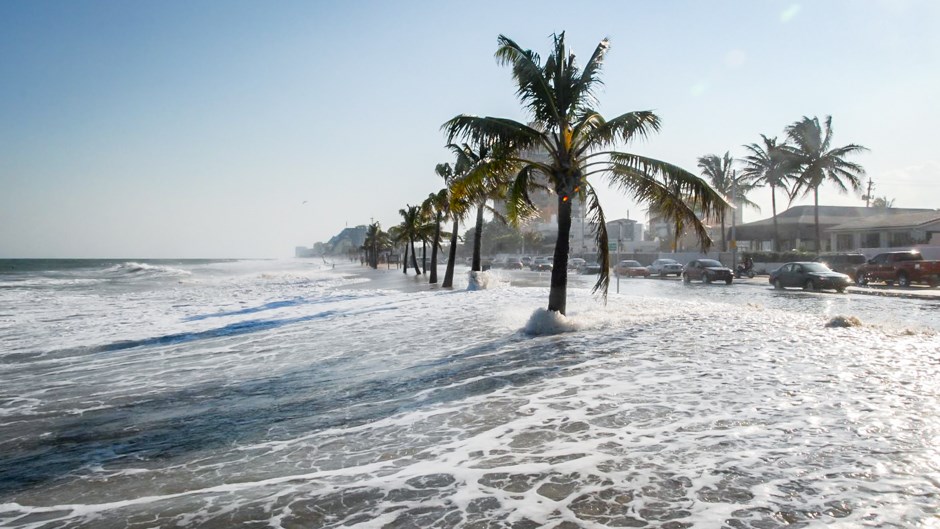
[437,204]
[566,145]
[818,161]
[455,211]
[724,180]
[483,179]
[768,164]
[410,229]
[375,240]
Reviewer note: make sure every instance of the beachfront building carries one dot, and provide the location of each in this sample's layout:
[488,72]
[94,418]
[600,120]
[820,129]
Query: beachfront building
[843,228]
[887,230]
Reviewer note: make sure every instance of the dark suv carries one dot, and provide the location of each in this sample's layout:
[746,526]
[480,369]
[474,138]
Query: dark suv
[846,263]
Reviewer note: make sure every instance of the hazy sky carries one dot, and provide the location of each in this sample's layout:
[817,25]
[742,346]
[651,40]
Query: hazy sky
[198,129]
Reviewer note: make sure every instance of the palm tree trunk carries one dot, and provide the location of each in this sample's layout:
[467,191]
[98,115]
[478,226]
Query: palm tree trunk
[424,256]
[434,245]
[558,295]
[477,240]
[773,207]
[451,257]
[414,257]
[816,217]
[404,262]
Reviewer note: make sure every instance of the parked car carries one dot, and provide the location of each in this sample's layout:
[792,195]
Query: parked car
[631,268]
[589,268]
[809,276]
[707,270]
[540,264]
[846,263]
[511,263]
[664,267]
[575,262]
[526,261]
[903,267]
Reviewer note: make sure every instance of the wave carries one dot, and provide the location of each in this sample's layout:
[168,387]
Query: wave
[135,268]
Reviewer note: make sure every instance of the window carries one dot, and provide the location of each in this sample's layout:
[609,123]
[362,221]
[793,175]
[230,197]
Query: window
[901,238]
[844,242]
[871,240]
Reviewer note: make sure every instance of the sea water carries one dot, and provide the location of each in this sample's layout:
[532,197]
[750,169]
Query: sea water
[292,394]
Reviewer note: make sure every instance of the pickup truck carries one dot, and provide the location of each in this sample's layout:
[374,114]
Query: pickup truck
[903,267]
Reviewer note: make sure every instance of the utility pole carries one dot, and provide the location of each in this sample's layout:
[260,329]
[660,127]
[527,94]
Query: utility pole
[734,200]
[868,196]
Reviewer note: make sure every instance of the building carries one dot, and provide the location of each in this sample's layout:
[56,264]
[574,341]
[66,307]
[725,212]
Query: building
[840,227]
[888,230]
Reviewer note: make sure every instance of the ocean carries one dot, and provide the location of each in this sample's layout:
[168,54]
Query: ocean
[289,393]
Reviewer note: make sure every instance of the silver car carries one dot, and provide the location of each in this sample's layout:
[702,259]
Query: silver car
[665,267]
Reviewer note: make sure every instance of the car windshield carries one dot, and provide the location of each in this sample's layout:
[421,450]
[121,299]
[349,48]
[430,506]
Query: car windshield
[709,263]
[816,267]
[630,263]
[667,261]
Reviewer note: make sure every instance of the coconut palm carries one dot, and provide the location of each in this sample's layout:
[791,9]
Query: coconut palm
[725,180]
[568,142]
[455,210]
[409,230]
[817,162]
[375,241]
[483,179]
[768,164]
[437,204]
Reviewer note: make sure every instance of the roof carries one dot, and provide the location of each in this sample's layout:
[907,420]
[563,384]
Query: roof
[899,220]
[799,222]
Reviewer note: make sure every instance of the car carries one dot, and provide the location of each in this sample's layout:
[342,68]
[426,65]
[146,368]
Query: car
[808,276]
[541,264]
[589,268]
[664,267]
[846,263]
[631,268]
[575,262]
[707,270]
[509,263]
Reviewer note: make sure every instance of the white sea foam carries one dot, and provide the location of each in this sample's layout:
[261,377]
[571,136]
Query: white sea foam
[276,397]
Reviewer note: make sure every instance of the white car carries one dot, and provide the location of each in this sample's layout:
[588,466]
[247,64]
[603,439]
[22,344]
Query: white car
[665,267]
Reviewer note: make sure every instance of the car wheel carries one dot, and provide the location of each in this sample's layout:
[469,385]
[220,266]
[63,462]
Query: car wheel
[706,279]
[904,280]
[662,274]
[728,281]
[777,284]
[861,280]
[840,290]
[686,278]
[809,285]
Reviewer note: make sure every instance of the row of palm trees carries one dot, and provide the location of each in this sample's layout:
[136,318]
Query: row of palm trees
[568,149]
[799,165]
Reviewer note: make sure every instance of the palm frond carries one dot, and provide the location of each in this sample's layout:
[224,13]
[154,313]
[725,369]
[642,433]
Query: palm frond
[596,214]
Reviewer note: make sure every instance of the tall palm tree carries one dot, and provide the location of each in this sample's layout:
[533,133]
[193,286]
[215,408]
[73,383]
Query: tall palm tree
[374,242]
[567,144]
[456,211]
[437,203]
[426,229]
[483,179]
[726,181]
[768,164]
[818,161]
[410,229]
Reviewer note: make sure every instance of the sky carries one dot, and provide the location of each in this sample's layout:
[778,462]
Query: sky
[240,129]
